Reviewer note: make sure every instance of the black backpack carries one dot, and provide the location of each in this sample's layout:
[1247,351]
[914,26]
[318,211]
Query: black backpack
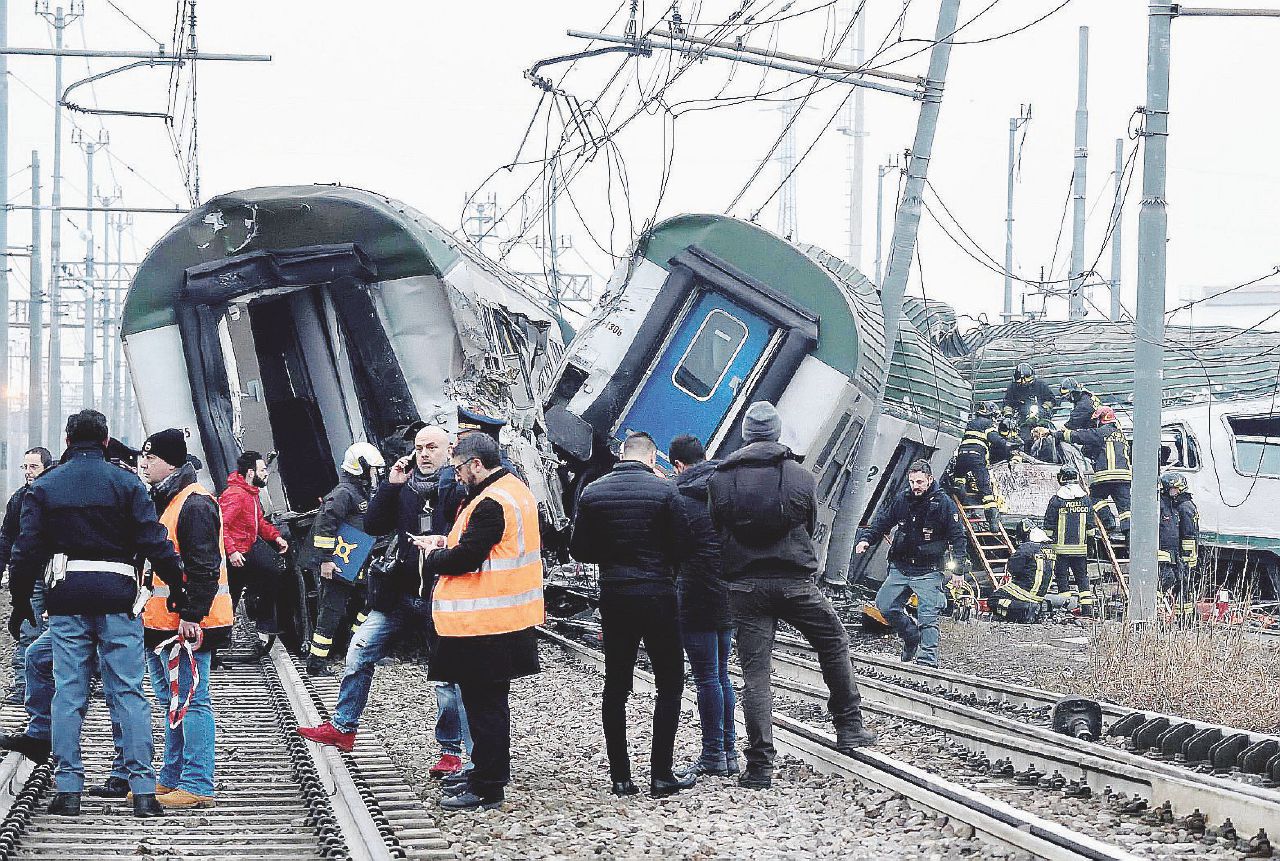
[758,516]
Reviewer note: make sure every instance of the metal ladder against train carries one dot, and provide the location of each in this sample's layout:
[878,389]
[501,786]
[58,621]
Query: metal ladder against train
[993,549]
[1118,565]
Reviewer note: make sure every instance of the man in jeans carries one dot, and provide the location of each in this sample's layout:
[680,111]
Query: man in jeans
[763,508]
[633,524]
[34,462]
[404,504]
[927,526]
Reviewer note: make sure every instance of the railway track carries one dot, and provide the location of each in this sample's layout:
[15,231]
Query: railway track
[994,819]
[279,797]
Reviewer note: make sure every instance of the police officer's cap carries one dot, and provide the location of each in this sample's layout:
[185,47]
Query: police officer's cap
[470,420]
[121,453]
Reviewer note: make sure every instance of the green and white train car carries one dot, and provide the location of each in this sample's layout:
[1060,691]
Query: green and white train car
[711,313]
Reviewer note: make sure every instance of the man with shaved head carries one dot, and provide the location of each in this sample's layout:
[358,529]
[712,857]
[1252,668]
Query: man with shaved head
[406,504]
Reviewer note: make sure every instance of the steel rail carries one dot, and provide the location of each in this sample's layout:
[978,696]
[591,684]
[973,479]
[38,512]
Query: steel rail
[995,819]
[1029,748]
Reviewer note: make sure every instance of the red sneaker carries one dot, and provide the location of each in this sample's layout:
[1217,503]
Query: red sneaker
[327,733]
[447,764]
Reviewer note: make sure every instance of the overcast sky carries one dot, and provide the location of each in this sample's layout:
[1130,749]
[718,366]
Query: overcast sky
[423,100]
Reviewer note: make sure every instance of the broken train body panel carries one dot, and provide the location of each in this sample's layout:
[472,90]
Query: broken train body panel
[712,313]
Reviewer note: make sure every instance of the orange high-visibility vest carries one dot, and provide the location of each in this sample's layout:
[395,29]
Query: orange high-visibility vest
[156,615]
[505,595]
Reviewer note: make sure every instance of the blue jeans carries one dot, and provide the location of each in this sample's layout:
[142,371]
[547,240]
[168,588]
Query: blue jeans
[709,658]
[118,641]
[892,598]
[188,748]
[26,636]
[370,644]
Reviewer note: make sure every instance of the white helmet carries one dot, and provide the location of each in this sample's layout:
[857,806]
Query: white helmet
[361,451]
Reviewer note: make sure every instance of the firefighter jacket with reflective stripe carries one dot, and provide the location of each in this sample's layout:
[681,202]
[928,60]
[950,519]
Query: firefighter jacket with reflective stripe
[1067,520]
[1179,530]
[346,503]
[982,438]
[1030,572]
[505,593]
[1084,405]
[1107,448]
[156,616]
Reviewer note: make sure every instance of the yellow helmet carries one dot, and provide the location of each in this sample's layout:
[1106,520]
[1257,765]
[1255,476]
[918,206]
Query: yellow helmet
[362,451]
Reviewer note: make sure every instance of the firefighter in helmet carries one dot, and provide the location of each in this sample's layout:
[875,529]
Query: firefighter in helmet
[1107,448]
[1083,404]
[982,445]
[1029,396]
[1066,520]
[346,504]
[1178,554]
[1030,573]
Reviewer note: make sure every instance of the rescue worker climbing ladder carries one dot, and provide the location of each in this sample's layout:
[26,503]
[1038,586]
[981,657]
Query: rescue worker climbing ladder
[1108,449]
[1178,555]
[981,445]
[1066,520]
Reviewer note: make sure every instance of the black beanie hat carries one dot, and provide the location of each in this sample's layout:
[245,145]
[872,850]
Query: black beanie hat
[169,445]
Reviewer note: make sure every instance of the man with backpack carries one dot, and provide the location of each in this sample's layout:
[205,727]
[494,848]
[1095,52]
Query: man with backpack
[763,508]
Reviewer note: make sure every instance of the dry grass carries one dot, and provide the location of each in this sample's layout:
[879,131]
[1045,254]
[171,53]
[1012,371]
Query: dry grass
[1214,674]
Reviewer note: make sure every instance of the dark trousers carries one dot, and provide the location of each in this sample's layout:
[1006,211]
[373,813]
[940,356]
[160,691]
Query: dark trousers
[1072,575]
[488,708]
[975,464]
[258,581]
[624,622]
[757,605]
[1118,492]
[339,600]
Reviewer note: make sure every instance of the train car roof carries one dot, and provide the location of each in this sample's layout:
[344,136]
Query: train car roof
[1221,362]
[923,385]
[397,240]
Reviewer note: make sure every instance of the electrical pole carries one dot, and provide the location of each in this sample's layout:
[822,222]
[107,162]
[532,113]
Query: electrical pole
[880,173]
[786,158]
[905,228]
[1076,305]
[1024,116]
[107,308]
[35,318]
[4,248]
[121,396]
[1117,212]
[90,328]
[60,23]
[855,128]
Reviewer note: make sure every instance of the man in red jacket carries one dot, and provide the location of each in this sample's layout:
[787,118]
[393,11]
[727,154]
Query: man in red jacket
[247,536]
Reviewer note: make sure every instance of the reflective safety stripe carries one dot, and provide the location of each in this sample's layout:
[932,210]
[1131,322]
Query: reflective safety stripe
[324,543]
[467,605]
[317,637]
[319,652]
[156,615]
[1163,556]
[510,564]
[161,590]
[1017,592]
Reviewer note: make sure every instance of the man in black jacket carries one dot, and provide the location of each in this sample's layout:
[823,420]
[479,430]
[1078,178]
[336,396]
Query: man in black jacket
[92,520]
[1029,396]
[634,526]
[406,505]
[928,526]
[763,508]
[34,462]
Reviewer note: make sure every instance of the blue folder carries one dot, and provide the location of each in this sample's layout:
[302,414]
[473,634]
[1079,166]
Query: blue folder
[351,551]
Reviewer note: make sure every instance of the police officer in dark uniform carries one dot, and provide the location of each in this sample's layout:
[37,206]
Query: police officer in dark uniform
[1066,520]
[452,494]
[1178,554]
[1107,448]
[1030,573]
[1029,396]
[981,446]
[85,523]
[339,598]
[1083,404]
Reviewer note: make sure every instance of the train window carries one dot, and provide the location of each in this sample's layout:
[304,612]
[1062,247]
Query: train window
[831,441]
[710,353]
[1257,444]
[1178,448]
[837,471]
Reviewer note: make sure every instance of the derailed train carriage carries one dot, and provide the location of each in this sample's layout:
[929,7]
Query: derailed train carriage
[302,319]
[710,314]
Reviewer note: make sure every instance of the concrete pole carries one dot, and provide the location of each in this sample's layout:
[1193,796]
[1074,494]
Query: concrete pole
[55,244]
[1077,275]
[108,293]
[87,399]
[1007,314]
[880,172]
[905,228]
[857,146]
[1117,213]
[35,317]
[5,400]
[1148,362]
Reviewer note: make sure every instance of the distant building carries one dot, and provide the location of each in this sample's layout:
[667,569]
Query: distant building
[1255,306]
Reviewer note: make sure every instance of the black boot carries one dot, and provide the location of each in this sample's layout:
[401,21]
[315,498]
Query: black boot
[34,749]
[318,667]
[660,787]
[854,737]
[145,806]
[755,778]
[112,787]
[65,804]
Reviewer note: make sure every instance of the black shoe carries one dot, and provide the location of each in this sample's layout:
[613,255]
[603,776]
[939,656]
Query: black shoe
[456,778]
[34,749]
[471,801]
[855,738]
[754,778]
[660,787]
[714,766]
[624,787]
[112,787]
[145,806]
[65,804]
[731,763]
[910,645]
[451,789]
[318,667]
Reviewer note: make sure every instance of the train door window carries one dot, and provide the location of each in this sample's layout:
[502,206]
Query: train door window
[835,478]
[712,350]
[1178,448]
[1256,440]
[830,444]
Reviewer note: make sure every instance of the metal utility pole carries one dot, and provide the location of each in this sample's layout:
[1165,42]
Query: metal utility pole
[905,229]
[60,22]
[35,317]
[854,127]
[1015,123]
[87,380]
[1076,306]
[4,248]
[1117,212]
[553,199]
[880,173]
[786,159]
[107,307]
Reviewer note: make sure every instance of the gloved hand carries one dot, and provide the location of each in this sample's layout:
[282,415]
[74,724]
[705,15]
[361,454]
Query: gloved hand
[22,612]
[950,566]
[177,599]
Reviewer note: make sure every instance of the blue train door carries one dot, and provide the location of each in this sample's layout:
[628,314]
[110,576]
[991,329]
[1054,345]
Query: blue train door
[695,380]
